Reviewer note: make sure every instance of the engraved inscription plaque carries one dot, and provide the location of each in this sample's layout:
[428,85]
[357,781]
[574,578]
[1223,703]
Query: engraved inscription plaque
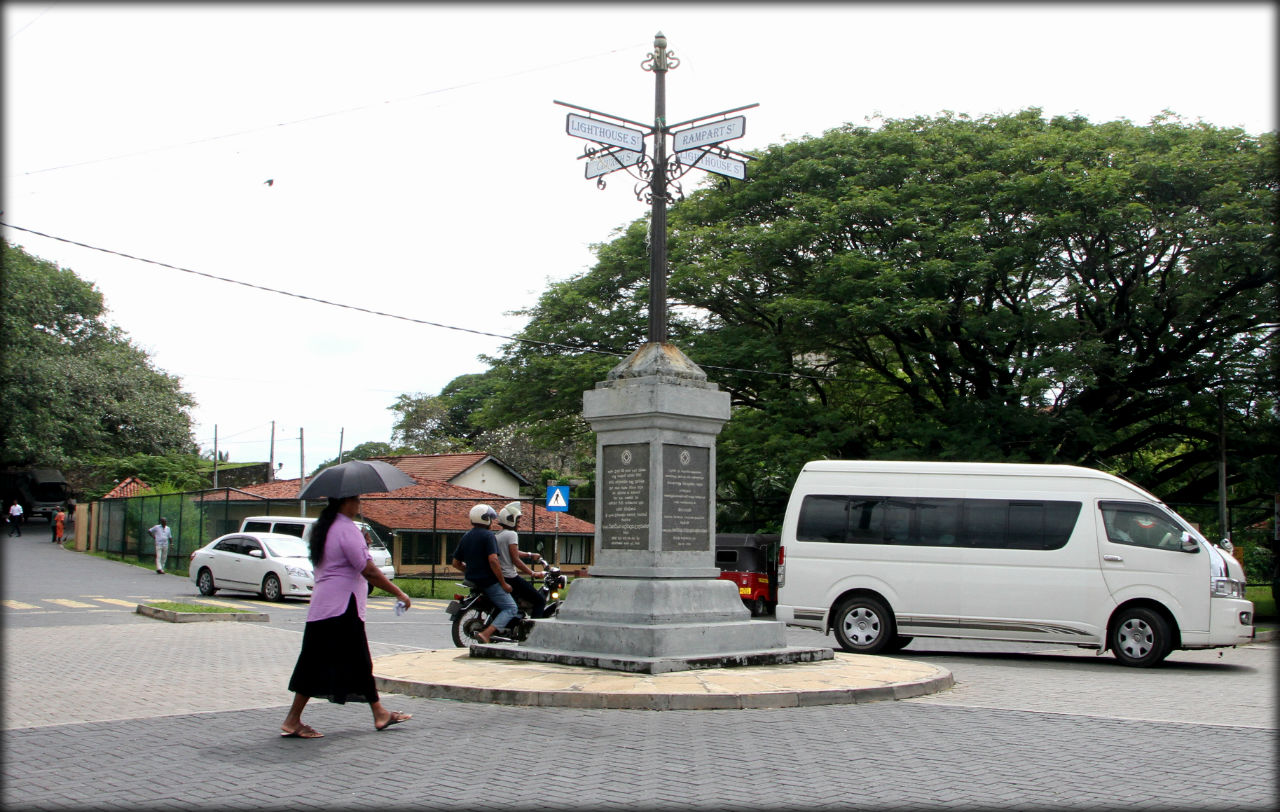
[686,506]
[624,523]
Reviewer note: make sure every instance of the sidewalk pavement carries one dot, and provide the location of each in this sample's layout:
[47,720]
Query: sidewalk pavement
[846,679]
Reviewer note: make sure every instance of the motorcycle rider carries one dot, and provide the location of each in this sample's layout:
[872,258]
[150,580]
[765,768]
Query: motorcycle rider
[477,557]
[511,557]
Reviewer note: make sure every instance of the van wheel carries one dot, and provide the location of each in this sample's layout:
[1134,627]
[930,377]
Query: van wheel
[1140,638]
[863,626]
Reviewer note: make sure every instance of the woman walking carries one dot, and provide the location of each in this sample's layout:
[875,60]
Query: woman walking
[335,663]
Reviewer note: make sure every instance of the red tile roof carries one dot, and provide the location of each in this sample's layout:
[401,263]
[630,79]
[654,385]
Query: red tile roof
[428,505]
[130,486]
[444,467]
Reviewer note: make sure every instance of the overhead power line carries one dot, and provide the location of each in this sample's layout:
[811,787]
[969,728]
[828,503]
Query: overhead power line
[329,114]
[384,314]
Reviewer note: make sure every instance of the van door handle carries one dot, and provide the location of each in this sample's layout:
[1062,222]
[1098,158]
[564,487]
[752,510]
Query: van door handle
[1112,558]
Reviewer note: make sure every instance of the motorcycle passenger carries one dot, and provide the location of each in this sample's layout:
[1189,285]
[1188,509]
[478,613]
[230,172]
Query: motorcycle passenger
[477,557]
[510,555]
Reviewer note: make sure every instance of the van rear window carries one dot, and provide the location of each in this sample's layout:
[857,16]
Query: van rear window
[1015,524]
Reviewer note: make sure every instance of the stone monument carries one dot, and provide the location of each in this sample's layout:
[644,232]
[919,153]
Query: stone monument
[654,602]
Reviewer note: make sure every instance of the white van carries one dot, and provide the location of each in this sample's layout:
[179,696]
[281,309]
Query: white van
[881,552]
[300,526]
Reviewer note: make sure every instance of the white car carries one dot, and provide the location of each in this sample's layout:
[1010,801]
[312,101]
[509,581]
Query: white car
[273,565]
[300,526]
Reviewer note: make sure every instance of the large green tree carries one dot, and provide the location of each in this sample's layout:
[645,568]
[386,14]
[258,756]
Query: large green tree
[75,388]
[995,288]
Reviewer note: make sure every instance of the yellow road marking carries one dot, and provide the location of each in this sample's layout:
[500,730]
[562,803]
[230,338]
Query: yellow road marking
[70,604]
[225,602]
[116,602]
[12,604]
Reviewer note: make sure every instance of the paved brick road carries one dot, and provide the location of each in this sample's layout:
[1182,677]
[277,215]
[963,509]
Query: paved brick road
[105,710]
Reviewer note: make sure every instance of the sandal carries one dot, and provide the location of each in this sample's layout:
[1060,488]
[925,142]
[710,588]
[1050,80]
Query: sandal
[303,732]
[395,719]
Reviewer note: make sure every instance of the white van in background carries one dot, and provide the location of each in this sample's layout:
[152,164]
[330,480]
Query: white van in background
[300,526]
[881,552]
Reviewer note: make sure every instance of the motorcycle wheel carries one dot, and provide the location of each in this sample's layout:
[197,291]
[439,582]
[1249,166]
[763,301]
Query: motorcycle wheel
[466,625]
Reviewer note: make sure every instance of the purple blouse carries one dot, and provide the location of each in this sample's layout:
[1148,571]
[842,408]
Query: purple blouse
[338,573]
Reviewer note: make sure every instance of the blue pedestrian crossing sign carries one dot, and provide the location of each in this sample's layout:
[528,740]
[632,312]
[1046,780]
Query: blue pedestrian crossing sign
[558,498]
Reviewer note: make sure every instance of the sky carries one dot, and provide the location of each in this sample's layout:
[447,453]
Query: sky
[410,159]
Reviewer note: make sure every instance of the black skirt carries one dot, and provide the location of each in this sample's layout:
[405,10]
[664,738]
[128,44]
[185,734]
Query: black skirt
[335,662]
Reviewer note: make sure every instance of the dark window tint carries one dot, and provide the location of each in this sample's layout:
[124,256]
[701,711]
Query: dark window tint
[726,556]
[257,527]
[231,545]
[984,523]
[290,529]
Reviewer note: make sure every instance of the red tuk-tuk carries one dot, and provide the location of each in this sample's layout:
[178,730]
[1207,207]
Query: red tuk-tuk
[751,562]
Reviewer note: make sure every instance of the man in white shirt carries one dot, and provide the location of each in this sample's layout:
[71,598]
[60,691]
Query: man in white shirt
[161,533]
[510,557]
[15,519]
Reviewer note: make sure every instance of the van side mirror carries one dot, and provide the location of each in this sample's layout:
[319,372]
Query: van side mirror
[1189,545]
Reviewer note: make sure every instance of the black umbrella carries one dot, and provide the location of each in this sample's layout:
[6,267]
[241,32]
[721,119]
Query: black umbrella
[354,478]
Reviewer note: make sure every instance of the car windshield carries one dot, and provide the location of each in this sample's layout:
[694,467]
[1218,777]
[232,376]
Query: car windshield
[375,541]
[288,548]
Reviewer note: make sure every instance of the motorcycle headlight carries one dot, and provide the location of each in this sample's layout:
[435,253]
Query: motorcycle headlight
[555,596]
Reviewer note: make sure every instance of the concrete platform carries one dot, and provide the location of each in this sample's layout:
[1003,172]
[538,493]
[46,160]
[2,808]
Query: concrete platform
[846,679]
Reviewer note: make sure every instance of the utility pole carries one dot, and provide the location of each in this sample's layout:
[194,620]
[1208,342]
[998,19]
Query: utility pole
[271,464]
[215,456]
[341,432]
[302,469]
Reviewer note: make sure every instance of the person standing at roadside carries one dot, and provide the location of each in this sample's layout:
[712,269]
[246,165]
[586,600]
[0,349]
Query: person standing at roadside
[56,524]
[15,519]
[335,663]
[162,534]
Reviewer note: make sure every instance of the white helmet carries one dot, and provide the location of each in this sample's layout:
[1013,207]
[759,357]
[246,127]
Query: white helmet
[482,514]
[509,513]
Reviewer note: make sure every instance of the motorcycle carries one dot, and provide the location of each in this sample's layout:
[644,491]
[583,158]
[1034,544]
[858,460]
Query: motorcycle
[474,612]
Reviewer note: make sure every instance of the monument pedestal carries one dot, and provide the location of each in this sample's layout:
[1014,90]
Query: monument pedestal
[654,603]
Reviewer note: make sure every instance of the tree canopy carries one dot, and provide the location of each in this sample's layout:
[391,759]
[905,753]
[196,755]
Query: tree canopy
[994,288]
[75,388]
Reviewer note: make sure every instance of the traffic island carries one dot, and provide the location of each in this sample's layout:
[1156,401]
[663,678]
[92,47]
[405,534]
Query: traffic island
[176,616]
[846,679]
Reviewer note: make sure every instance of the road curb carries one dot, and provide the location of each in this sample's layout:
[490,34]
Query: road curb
[200,617]
[846,680]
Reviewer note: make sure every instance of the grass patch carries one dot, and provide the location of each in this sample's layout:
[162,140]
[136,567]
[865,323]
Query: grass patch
[1264,603]
[148,563]
[174,606]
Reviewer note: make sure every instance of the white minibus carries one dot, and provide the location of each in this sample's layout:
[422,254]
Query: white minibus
[881,552]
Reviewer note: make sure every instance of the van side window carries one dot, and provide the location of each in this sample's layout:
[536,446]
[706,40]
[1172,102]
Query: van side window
[256,527]
[825,518]
[1140,525]
[980,523]
[290,529]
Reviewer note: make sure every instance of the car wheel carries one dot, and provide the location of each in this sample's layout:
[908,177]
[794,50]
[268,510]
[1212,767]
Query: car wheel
[271,588]
[1140,638]
[863,625]
[204,582]
[466,626]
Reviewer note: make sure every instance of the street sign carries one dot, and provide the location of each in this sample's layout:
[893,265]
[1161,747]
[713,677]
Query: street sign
[713,133]
[602,132]
[612,161]
[558,498]
[713,163]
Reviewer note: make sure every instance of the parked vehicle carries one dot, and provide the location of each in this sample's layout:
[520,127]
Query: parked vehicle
[40,491]
[751,562]
[273,565]
[474,612]
[881,552]
[300,526]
